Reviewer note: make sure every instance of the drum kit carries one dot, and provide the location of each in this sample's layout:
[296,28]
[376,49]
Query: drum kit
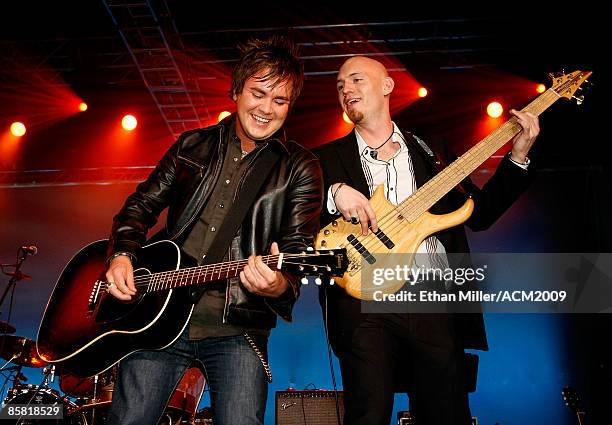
[85,400]
[80,398]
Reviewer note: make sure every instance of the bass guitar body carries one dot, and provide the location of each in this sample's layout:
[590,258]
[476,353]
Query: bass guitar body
[397,235]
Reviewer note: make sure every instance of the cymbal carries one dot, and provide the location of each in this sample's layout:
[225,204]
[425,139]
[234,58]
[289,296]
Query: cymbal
[6,328]
[22,348]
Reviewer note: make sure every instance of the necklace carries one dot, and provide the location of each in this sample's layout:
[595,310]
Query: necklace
[374,151]
[385,142]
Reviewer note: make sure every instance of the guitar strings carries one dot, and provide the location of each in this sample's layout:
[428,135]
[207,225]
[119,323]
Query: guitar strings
[410,205]
[371,242]
[212,269]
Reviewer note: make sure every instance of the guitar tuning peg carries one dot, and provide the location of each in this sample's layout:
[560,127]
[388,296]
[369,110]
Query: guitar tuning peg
[318,281]
[553,75]
[304,281]
[332,281]
[578,99]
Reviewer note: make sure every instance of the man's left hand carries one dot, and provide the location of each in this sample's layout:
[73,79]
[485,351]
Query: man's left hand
[524,140]
[260,279]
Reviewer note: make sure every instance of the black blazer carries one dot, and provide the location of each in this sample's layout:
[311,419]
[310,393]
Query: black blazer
[340,162]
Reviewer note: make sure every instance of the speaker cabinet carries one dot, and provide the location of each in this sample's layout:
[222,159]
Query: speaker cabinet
[309,407]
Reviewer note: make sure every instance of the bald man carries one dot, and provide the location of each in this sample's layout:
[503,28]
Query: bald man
[422,353]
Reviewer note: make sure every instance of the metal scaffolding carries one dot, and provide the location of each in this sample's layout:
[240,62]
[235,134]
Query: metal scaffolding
[147,33]
[73,177]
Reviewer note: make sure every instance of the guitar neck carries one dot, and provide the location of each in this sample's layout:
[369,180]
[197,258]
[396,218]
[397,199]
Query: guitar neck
[202,274]
[432,191]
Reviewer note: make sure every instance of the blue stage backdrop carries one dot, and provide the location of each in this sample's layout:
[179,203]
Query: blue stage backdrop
[520,378]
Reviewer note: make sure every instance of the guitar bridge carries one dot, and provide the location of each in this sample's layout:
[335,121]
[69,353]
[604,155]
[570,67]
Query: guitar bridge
[93,298]
[354,267]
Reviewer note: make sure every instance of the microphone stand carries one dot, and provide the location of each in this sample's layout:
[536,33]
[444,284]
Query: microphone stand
[11,359]
[13,370]
[16,275]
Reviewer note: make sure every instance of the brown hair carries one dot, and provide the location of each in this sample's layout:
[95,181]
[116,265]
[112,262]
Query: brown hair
[276,54]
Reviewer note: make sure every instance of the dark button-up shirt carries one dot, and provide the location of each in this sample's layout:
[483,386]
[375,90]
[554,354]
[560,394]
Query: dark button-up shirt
[207,317]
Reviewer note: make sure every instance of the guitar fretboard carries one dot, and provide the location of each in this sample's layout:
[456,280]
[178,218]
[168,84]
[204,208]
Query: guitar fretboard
[200,274]
[432,191]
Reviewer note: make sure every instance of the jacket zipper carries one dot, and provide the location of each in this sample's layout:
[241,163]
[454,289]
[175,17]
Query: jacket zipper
[227,288]
[225,307]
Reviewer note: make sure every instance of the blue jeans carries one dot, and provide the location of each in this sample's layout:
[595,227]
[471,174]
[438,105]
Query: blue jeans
[235,375]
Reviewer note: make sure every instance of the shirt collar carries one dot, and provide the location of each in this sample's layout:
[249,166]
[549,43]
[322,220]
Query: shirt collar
[278,139]
[364,149]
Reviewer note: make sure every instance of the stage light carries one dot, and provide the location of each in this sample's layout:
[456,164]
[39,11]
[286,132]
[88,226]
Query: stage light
[495,109]
[346,118]
[541,88]
[18,129]
[223,115]
[129,122]
[422,92]
[82,106]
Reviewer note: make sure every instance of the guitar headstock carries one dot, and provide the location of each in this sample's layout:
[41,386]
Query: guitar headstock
[566,85]
[321,263]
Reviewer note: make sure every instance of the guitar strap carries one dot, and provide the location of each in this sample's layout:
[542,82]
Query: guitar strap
[432,158]
[435,161]
[238,211]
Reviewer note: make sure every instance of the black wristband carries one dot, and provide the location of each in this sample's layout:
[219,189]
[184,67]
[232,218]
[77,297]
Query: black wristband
[129,255]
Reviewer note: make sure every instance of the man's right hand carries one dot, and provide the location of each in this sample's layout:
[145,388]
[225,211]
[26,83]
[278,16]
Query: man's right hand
[353,205]
[120,278]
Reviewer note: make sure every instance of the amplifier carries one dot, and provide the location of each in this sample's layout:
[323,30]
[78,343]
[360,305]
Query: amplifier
[313,407]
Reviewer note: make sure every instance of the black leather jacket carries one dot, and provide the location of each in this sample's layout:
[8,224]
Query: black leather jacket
[286,211]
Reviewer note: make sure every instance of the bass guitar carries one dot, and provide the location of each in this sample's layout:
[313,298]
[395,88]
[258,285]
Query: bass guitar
[403,227]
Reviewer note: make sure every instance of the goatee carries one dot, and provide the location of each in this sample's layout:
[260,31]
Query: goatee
[355,116]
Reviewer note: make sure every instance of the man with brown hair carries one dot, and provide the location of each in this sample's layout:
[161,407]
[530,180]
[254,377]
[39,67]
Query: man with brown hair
[201,177]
